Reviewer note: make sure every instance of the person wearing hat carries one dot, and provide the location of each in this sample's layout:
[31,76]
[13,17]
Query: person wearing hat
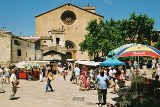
[14,83]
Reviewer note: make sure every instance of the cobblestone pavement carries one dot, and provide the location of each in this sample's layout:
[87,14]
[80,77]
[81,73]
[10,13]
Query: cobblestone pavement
[66,94]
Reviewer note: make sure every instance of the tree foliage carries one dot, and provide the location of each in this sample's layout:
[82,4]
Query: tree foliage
[137,29]
[91,42]
[69,44]
[104,36]
[101,38]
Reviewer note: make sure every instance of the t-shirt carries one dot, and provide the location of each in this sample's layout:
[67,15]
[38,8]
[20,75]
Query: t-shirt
[54,67]
[102,81]
[48,68]
[76,71]
[6,72]
[13,78]
[1,70]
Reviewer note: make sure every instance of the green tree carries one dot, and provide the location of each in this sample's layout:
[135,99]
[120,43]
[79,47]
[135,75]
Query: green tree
[102,37]
[112,37]
[137,28]
[69,44]
[158,43]
[91,42]
[128,30]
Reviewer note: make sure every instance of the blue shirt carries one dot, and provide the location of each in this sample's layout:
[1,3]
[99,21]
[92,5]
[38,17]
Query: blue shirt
[102,81]
[76,71]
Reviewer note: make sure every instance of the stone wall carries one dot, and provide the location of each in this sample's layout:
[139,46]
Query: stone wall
[5,49]
[22,50]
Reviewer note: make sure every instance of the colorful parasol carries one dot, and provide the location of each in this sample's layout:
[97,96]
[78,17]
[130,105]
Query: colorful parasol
[123,47]
[139,50]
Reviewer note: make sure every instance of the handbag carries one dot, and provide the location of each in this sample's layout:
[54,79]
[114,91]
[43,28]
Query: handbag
[16,83]
[50,76]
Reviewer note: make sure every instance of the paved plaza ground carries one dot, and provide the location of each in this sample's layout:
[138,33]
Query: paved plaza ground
[66,94]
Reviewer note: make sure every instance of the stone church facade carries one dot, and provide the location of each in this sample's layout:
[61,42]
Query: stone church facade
[67,22]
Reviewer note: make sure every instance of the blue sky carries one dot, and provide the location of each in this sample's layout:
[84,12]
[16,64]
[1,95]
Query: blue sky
[18,16]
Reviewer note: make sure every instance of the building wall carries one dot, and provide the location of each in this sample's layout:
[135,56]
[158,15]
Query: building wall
[27,49]
[5,49]
[74,32]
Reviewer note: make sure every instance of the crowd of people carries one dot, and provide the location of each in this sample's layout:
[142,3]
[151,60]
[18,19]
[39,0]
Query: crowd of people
[86,77]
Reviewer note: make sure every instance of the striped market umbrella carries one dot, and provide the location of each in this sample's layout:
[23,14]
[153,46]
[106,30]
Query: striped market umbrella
[121,48]
[139,50]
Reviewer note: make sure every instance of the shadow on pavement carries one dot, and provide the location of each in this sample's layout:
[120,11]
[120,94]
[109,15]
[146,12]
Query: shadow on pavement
[14,98]
[78,99]
[91,103]
[2,91]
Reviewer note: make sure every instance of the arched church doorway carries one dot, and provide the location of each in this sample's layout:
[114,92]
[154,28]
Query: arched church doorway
[53,55]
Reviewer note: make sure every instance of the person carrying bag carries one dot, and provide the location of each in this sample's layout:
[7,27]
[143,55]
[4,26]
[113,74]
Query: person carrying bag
[50,77]
[14,82]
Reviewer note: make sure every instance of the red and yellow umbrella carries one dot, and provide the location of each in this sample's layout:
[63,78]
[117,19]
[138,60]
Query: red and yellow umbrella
[139,50]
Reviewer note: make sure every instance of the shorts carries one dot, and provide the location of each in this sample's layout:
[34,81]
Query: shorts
[76,75]
[65,73]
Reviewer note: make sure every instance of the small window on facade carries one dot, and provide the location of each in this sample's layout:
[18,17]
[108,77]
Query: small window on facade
[16,42]
[44,41]
[57,40]
[18,52]
[26,54]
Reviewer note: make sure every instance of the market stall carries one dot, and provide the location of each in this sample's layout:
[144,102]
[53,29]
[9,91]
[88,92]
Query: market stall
[29,69]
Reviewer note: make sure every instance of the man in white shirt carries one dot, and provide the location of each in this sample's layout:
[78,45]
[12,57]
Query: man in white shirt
[13,82]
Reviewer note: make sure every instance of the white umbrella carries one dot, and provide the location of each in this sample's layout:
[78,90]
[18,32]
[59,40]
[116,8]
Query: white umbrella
[20,64]
[88,63]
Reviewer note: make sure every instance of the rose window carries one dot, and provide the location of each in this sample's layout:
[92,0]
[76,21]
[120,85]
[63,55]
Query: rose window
[68,17]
